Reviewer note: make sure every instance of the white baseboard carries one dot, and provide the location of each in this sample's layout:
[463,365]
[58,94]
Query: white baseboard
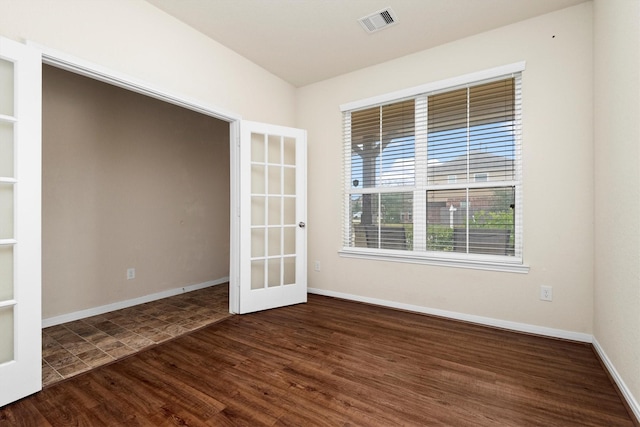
[487,321]
[626,393]
[77,315]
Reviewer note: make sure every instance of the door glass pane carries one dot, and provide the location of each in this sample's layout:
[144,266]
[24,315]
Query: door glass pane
[289,271]
[6,149]
[257,274]
[289,181]
[289,241]
[289,211]
[6,210]
[6,87]
[275,155]
[274,180]
[257,148]
[6,334]
[289,151]
[257,210]
[257,179]
[274,272]
[257,242]
[274,242]
[6,273]
[275,211]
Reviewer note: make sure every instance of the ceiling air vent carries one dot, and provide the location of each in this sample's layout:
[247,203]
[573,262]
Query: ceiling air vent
[378,20]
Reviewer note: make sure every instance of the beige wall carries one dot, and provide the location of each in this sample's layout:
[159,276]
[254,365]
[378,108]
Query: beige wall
[558,177]
[136,38]
[617,178]
[128,181]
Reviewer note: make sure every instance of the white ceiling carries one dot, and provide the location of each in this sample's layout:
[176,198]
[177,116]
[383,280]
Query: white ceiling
[305,41]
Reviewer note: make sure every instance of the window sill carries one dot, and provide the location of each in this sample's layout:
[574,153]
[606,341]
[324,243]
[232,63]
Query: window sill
[488,263]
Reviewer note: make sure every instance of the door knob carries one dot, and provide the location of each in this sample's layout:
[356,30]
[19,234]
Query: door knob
[301,224]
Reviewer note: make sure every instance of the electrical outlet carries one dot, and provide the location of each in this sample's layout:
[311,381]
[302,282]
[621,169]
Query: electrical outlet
[546,293]
[316,265]
[131,273]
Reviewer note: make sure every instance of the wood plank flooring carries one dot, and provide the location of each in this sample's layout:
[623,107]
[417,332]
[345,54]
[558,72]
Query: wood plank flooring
[336,363]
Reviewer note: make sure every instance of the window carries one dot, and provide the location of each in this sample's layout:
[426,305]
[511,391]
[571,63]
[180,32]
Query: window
[481,177]
[436,175]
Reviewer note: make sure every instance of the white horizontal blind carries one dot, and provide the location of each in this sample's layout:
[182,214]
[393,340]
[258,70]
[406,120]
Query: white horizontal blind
[472,127]
[437,173]
[382,175]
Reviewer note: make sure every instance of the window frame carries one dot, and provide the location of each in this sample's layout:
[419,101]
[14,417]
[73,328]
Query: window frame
[466,260]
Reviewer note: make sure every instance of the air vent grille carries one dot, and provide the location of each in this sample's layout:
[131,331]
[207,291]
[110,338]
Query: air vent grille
[378,20]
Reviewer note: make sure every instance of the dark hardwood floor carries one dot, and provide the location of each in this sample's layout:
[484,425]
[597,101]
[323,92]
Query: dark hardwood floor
[335,363]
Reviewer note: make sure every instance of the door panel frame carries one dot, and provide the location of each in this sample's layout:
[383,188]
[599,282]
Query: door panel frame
[278,296]
[24,371]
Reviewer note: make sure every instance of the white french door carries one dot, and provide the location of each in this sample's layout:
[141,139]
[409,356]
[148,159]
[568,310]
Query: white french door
[20,219]
[273,259]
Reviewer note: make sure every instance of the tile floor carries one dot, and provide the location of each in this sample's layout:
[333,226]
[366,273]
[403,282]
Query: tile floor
[71,348]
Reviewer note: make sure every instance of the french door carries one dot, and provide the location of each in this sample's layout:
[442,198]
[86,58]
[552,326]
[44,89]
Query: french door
[273,259]
[20,214]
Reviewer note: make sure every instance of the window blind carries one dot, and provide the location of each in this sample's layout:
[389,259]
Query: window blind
[437,173]
[382,151]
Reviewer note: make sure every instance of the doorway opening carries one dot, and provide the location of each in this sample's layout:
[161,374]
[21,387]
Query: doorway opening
[136,195]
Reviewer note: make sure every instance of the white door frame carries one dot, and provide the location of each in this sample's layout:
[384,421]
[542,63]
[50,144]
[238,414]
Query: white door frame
[85,68]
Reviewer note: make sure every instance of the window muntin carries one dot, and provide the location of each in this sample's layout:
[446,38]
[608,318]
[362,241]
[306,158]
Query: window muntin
[403,155]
